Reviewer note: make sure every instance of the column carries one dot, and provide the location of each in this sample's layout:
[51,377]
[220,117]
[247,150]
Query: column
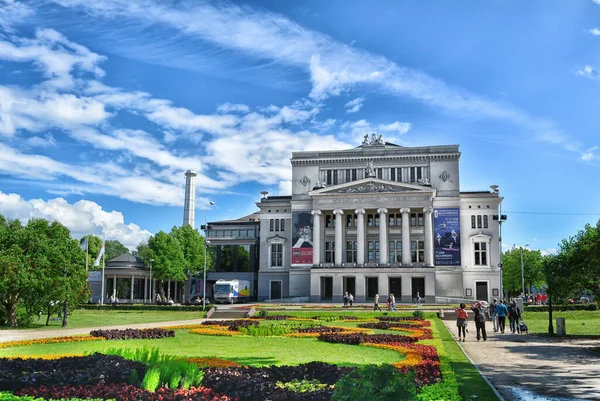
[405,235]
[339,226]
[145,289]
[383,241]
[131,292]
[114,285]
[360,236]
[428,236]
[316,237]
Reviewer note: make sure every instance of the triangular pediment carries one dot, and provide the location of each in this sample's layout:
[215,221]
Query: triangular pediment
[372,185]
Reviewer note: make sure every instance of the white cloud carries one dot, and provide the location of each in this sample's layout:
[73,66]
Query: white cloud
[233,108]
[285,188]
[549,251]
[12,12]
[588,72]
[38,141]
[334,67]
[82,218]
[596,1]
[590,154]
[396,127]
[354,105]
[595,31]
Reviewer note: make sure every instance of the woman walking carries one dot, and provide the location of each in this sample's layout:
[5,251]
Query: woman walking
[461,321]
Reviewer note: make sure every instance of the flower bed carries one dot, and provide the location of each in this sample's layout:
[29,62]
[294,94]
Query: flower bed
[52,340]
[417,330]
[213,363]
[232,325]
[250,384]
[121,392]
[128,334]
[19,373]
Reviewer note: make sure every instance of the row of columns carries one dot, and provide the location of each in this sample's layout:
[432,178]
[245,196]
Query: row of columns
[383,236]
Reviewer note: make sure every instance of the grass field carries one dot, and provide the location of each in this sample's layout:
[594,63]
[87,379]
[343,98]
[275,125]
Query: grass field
[97,318]
[578,323]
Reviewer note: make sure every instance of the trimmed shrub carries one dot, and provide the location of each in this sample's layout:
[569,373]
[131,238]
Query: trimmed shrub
[561,308]
[129,334]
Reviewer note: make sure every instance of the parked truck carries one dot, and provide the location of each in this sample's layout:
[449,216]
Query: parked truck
[231,291]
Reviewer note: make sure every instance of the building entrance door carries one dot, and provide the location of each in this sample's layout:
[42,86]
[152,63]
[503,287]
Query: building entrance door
[372,287]
[481,291]
[350,285]
[275,290]
[395,287]
[326,288]
[418,285]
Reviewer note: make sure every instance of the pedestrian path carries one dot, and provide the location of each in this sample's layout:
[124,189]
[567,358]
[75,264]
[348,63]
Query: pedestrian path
[530,367]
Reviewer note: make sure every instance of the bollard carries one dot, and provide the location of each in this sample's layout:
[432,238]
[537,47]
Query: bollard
[561,329]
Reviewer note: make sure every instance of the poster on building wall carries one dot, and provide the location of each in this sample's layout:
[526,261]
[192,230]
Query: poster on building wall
[302,238]
[446,241]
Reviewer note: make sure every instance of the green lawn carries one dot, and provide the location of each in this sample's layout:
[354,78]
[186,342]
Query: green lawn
[110,317]
[253,351]
[578,323]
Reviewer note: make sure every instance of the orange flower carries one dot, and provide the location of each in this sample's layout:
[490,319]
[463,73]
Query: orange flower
[211,331]
[52,340]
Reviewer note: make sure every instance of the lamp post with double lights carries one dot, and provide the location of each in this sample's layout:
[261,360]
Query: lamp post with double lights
[501,218]
[522,267]
[206,244]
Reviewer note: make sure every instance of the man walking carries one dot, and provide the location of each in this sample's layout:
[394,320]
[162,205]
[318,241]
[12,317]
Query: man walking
[501,312]
[376,305]
[479,321]
[514,316]
[493,315]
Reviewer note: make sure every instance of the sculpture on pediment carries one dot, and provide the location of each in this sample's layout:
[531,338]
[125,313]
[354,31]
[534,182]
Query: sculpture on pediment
[423,181]
[380,140]
[369,187]
[366,140]
[370,169]
[374,140]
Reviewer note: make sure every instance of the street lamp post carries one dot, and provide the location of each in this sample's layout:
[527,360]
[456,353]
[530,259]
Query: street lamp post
[501,219]
[151,296]
[523,270]
[206,243]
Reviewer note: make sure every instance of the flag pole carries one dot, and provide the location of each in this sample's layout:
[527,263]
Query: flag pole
[102,299]
[87,251]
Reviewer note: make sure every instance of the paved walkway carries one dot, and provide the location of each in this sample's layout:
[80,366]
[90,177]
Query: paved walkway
[529,367]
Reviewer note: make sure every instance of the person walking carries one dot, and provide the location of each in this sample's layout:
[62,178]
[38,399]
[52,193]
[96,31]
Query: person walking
[461,321]
[376,305]
[492,311]
[346,299]
[514,317]
[418,298]
[501,312]
[392,302]
[479,321]
[350,299]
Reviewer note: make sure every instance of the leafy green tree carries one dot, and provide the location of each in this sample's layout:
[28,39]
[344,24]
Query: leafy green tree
[94,245]
[511,271]
[114,249]
[169,260]
[192,244]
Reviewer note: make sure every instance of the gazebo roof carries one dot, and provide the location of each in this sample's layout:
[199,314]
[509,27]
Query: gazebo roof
[128,258]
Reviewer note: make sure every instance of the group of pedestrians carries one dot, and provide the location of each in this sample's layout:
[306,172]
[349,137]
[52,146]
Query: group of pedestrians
[390,304]
[498,312]
[348,299]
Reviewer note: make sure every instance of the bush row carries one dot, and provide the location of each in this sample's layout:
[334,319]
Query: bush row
[359,338]
[233,325]
[399,318]
[141,307]
[19,373]
[128,334]
[560,308]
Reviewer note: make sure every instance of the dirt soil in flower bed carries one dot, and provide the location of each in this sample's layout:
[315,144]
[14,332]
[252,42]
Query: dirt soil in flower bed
[19,373]
[548,367]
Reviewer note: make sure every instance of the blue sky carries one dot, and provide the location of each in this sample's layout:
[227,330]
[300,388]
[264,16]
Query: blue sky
[104,105]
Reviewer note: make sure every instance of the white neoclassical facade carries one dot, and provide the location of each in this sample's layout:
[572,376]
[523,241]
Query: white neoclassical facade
[379,219]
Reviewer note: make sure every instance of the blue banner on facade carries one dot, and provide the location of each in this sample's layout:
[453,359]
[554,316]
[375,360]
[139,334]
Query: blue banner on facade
[446,240]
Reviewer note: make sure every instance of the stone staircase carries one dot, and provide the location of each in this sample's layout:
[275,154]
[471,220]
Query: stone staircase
[232,313]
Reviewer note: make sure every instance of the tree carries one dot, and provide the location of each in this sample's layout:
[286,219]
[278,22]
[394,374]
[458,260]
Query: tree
[511,271]
[114,249]
[39,262]
[94,245]
[169,260]
[192,244]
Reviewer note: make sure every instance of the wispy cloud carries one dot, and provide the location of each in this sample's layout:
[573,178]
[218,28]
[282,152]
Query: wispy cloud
[12,12]
[595,31]
[334,67]
[590,154]
[354,105]
[588,72]
[396,127]
[233,108]
[82,218]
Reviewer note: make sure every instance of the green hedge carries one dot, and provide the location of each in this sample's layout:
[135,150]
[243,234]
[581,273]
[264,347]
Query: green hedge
[560,308]
[140,307]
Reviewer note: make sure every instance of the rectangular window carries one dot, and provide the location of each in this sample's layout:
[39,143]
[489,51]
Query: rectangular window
[377,220]
[480,253]
[276,255]
[413,174]
[380,173]
[351,251]
[329,220]
[353,174]
[348,175]
[400,174]
[335,177]
[473,222]
[391,220]
[370,220]
[420,219]
[485,221]
[478,221]
[329,252]
[350,220]
[276,224]
[395,251]
[419,173]
[272,225]
[282,224]
[417,251]
[373,251]
[392,174]
[329,177]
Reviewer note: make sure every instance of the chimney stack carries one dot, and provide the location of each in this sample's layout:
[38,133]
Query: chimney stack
[189,208]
